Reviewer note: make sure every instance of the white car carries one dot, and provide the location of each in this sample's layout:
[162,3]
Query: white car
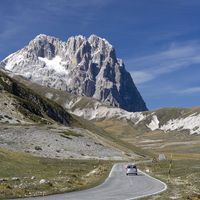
[131,169]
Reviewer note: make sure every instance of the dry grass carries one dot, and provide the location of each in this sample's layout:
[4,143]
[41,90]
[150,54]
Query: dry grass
[62,175]
[183,180]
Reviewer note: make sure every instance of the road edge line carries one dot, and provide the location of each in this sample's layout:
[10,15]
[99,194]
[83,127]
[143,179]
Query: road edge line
[165,187]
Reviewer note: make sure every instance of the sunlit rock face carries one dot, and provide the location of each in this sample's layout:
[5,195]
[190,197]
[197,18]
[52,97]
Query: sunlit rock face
[83,66]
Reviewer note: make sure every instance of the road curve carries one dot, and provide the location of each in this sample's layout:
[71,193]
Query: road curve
[117,186]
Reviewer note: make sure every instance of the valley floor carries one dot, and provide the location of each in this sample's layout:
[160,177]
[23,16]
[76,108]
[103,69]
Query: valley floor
[45,159]
[180,168]
[67,159]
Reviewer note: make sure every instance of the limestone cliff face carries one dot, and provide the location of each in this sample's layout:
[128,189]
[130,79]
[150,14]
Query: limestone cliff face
[84,66]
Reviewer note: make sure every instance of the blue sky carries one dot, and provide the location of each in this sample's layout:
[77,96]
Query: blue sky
[159,40]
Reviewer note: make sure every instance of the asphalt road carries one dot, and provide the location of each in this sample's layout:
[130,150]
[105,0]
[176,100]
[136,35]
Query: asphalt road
[117,186]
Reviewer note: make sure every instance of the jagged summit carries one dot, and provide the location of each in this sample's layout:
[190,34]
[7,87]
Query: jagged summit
[81,65]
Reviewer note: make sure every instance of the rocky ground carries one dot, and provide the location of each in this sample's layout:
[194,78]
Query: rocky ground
[8,112]
[55,141]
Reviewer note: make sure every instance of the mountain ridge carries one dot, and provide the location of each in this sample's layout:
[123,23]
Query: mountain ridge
[164,119]
[83,66]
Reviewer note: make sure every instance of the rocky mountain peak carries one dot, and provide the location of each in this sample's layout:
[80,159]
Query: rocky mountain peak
[84,66]
[96,41]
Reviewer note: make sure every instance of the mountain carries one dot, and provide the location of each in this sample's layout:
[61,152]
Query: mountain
[165,119]
[83,66]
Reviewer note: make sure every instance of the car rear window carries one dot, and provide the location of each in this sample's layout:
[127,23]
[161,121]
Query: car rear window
[131,166]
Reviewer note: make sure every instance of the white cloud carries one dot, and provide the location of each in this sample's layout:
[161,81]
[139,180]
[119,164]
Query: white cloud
[141,76]
[175,58]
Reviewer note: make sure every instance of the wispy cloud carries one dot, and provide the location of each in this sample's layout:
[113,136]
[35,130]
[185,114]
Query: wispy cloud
[21,20]
[25,14]
[189,91]
[175,58]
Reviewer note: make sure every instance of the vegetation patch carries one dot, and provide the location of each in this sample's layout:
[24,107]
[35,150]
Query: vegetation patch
[181,176]
[24,175]
[71,133]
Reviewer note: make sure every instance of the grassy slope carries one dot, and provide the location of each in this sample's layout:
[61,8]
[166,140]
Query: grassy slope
[181,145]
[183,179]
[130,150]
[32,104]
[59,96]
[63,175]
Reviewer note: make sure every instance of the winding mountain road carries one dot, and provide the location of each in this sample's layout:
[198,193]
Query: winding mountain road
[117,186]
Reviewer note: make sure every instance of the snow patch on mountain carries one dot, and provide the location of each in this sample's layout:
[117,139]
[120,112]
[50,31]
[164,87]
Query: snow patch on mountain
[154,123]
[70,104]
[99,112]
[13,61]
[191,123]
[55,64]
[103,112]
